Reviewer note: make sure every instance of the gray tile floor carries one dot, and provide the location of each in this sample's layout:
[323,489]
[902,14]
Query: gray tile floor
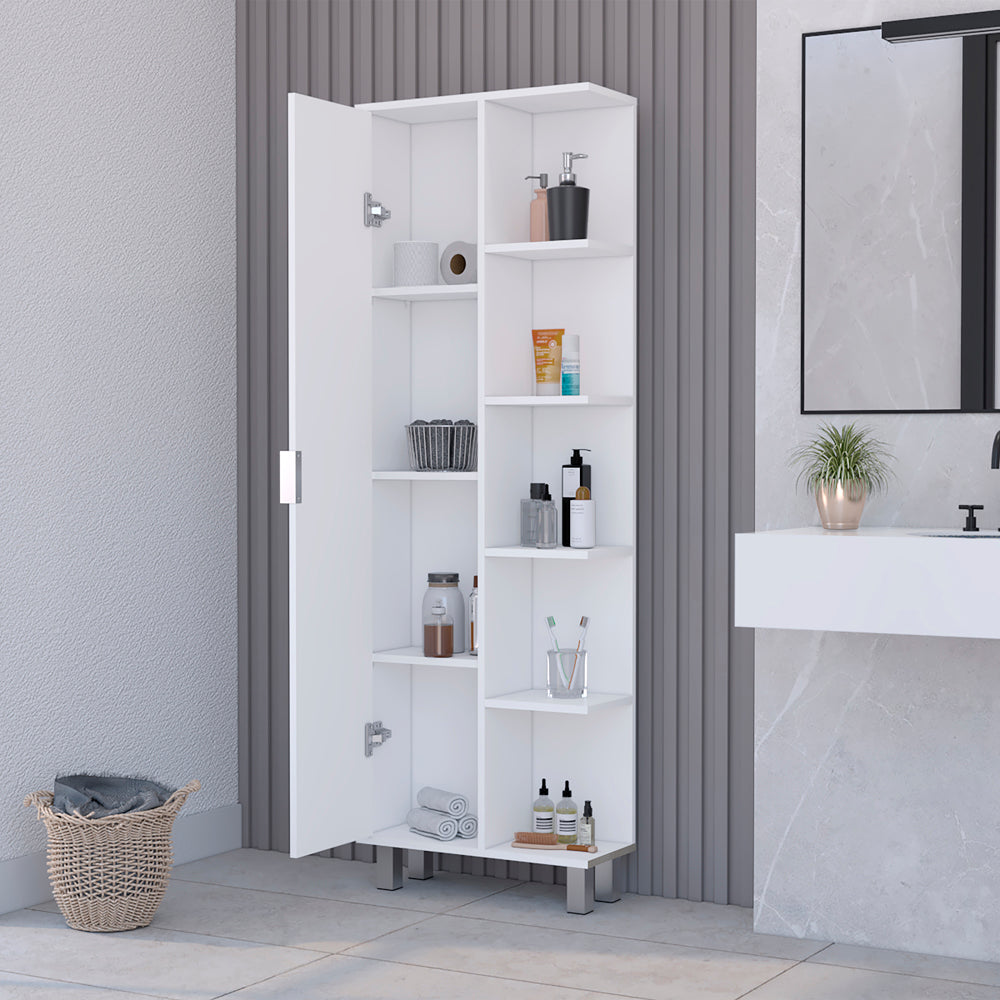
[255,925]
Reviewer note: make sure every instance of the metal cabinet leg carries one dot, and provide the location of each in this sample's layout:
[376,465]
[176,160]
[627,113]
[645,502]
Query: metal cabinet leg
[604,883]
[389,867]
[420,864]
[579,890]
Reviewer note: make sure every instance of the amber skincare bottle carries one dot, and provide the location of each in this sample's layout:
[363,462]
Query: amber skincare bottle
[474,617]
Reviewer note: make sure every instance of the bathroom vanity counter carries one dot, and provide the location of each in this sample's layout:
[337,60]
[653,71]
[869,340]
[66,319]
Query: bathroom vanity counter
[897,581]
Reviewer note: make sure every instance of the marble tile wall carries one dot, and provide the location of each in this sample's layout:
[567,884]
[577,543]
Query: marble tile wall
[876,819]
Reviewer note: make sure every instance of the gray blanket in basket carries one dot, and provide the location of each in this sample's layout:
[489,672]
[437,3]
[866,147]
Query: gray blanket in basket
[94,795]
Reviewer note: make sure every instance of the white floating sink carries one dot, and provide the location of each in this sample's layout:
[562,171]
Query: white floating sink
[956,534]
[894,581]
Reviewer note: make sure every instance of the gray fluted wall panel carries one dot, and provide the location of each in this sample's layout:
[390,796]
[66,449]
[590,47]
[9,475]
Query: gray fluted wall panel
[691,65]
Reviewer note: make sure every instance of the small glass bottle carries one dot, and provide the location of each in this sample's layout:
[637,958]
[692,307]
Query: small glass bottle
[543,812]
[566,818]
[529,515]
[548,523]
[442,588]
[474,618]
[439,632]
[585,831]
[539,211]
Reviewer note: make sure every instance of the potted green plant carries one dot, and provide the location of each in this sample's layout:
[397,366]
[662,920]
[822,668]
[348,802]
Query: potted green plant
[842,466]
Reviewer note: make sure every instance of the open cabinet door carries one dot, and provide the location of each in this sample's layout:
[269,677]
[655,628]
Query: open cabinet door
[329,423]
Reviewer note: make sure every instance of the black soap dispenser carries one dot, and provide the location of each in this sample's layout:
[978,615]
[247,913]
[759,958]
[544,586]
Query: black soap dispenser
[574,475]
[568,204]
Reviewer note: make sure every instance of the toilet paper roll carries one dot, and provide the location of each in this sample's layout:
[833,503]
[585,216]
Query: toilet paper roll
[458,264]
[414,263]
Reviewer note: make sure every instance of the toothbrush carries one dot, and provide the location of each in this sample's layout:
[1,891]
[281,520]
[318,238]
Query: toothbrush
[584,625]
[551,623]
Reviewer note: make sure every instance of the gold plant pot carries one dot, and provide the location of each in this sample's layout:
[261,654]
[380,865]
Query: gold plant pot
[840,505]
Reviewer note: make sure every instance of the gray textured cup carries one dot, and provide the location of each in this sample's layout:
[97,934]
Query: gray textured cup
[415,263]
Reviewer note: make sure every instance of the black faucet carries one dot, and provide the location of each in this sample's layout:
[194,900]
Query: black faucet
[970,520]
[995,460]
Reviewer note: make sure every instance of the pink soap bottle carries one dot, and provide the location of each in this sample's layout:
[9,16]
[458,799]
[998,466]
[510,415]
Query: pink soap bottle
[539,209]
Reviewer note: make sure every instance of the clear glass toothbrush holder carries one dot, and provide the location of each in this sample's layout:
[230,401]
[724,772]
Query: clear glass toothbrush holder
[567,673]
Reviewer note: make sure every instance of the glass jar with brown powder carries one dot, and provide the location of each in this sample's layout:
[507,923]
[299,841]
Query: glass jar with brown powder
[439,632]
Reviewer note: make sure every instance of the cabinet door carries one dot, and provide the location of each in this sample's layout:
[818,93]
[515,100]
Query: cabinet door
[329,422]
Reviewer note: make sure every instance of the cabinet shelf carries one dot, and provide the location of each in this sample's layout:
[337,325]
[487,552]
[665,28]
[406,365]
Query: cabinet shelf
[426,477]
[415,655]
[559,552]
[560,249]
[558,401]
[400,836]
[536,700]
[426,293]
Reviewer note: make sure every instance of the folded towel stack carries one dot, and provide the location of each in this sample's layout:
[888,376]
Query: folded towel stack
[442,815]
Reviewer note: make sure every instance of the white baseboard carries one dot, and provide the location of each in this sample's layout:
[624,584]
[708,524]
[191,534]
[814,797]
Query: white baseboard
[24,881]
[204,834]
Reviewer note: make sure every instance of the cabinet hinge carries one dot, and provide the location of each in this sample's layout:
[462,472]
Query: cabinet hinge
[375,736]
[375,212]
[290,477]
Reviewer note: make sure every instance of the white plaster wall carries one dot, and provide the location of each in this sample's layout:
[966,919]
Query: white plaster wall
[876,758]
[117,397]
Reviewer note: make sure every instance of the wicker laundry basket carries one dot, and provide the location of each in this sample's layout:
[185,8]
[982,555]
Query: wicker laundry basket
[110,874]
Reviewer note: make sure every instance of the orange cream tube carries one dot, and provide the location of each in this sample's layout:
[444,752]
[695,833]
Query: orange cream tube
[548,362]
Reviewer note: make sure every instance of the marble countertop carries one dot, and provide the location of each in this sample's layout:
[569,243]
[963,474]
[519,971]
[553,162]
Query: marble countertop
[814,531]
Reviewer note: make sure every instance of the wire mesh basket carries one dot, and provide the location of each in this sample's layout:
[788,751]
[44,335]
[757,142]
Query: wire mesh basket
[442,446]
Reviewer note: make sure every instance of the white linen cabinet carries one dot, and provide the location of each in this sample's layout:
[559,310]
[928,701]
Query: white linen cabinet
[365,358]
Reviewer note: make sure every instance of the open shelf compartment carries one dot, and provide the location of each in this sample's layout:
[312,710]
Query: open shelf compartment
[432,711]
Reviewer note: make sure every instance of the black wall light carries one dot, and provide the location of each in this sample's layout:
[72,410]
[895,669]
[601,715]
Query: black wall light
[915,29]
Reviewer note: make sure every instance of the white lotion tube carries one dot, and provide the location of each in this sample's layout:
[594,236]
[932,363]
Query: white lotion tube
[582,524]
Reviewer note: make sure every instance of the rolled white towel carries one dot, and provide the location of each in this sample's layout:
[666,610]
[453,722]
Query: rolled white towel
[450,803]
[432,824]
[468,827]
[429,836]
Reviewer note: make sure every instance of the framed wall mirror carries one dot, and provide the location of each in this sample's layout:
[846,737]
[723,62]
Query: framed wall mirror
[899,219]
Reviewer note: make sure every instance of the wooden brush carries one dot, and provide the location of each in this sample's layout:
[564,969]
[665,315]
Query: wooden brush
[555,847]
[523,837]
